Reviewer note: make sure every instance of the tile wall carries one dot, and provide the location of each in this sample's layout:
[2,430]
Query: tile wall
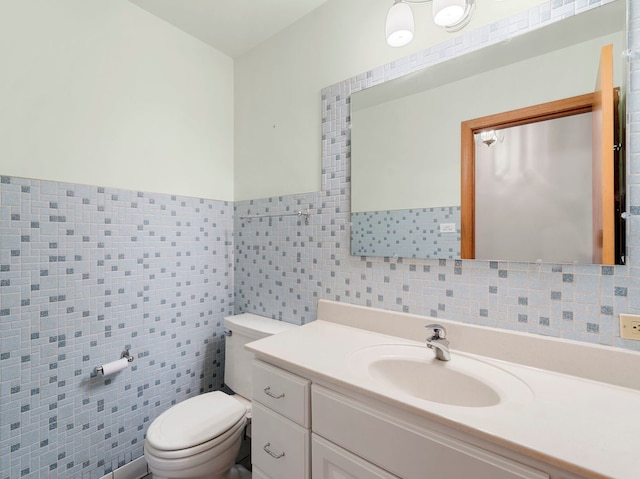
[283,266]
[86,272]
[411,233]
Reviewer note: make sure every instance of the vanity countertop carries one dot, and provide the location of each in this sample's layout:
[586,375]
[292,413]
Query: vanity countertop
[584,426]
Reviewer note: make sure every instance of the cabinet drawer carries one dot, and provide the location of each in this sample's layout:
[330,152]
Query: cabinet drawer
[332,462]
[403,449]
[279,447]
[281,391]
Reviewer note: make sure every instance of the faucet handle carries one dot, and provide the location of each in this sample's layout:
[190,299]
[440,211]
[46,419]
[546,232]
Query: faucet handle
[439,331]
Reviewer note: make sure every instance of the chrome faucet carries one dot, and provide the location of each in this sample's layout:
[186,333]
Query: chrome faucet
[438,342]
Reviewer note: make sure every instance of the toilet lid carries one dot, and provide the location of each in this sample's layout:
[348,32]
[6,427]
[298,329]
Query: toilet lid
[195,421]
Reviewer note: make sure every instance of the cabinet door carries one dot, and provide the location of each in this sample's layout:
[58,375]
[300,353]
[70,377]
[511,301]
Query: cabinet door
[332,462]
[279,447]
[403,449]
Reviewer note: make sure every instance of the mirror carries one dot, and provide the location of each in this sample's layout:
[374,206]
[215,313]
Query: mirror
[406,133]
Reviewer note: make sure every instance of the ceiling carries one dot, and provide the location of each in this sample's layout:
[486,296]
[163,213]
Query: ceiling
[231,26]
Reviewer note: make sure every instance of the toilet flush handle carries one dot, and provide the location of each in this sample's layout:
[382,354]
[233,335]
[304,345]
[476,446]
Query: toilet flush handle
[268,392]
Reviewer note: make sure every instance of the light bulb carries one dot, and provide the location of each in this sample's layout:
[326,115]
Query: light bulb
[399,26]
[448,12]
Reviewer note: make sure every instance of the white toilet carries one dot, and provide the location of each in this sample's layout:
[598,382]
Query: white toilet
[200,438]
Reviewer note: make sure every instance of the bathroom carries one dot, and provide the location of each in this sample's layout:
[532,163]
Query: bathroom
[130,151]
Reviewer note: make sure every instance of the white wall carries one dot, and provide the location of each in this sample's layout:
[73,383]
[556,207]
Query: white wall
[278,84]
[103,93]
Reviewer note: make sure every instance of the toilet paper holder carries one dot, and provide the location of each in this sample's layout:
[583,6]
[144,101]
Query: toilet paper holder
[125,354]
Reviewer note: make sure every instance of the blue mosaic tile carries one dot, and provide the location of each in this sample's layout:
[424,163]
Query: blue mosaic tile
[411,233]
[85,290]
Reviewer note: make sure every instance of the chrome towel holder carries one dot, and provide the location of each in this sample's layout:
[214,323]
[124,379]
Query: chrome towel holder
[302,213]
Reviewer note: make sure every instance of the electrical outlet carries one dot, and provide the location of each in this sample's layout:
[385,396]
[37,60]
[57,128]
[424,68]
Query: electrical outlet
[630,326]
[447,227]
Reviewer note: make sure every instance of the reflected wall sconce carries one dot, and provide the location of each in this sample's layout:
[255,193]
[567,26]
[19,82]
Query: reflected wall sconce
[452,15]
[489,137]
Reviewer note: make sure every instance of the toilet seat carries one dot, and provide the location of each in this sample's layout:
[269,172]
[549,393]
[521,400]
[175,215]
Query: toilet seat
[194,425]
[218,441]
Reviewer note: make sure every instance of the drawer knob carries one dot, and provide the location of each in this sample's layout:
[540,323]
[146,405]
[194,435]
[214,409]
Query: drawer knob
[271,453]
[268,392]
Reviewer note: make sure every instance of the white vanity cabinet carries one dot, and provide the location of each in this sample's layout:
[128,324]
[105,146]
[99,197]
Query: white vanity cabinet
[305,430]
[332,462]
[407,450]
[371,412]
[280,442]
[258,474]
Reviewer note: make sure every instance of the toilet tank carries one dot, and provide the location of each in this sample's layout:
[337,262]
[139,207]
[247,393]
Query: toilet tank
[240,330]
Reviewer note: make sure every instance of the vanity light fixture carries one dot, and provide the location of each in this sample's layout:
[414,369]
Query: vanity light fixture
[448,12]
[399,26]
[452,15]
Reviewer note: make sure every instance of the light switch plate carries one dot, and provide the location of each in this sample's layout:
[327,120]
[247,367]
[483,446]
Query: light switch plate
[630,326]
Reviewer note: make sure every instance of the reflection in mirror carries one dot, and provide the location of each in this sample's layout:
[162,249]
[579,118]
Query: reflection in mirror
[526,166]
[405,133]
[525,200]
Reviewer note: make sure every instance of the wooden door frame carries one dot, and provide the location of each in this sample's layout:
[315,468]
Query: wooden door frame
[545,111]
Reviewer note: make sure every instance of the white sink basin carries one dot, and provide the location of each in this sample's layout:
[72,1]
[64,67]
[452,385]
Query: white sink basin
[413,371]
